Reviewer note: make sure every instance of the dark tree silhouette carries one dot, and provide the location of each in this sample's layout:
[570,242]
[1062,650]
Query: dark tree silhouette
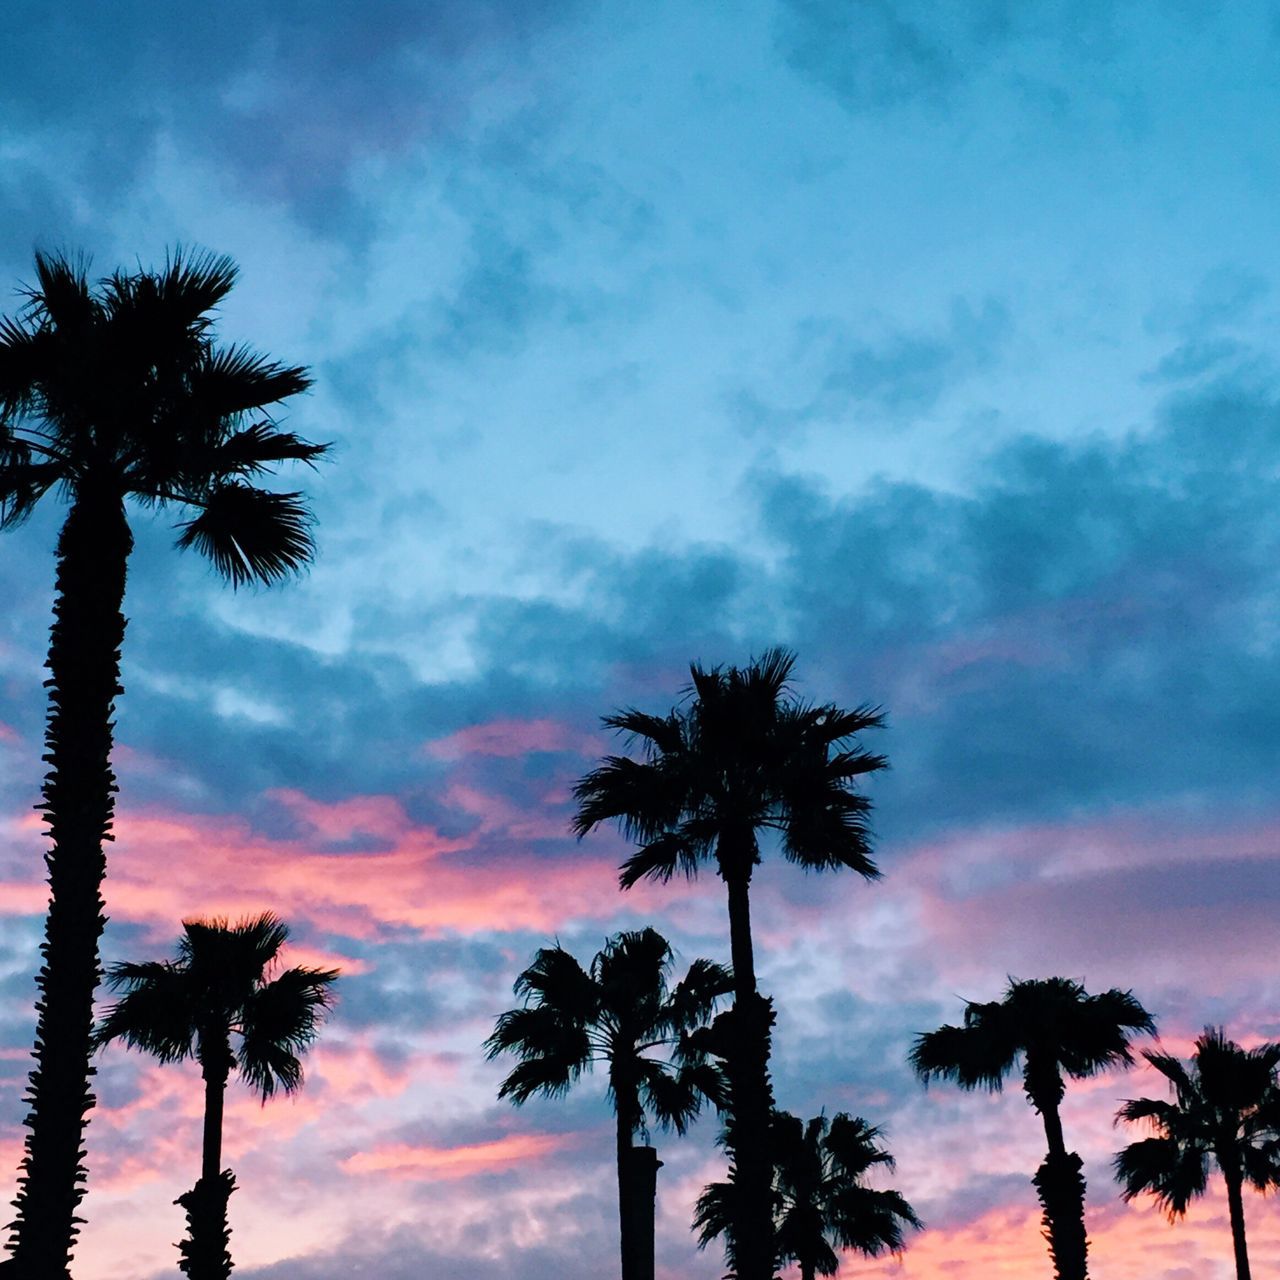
[1056,1029]
[741,757]
[624,1013]
[1225,1111]
[821,1202]
[108,393]
[224,984]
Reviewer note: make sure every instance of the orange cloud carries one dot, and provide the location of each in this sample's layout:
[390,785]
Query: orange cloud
[402,1160]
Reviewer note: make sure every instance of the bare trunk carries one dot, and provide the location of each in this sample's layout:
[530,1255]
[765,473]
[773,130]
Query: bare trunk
[750,1101]
[1235,1202]
[79,801]
[626,1200]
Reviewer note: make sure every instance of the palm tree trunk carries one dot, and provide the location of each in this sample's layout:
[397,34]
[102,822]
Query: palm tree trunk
[204,1254]
[79,791]
[1061,1187]
[215,1066]
[1235,1203]
[625,1116]
[750,1098]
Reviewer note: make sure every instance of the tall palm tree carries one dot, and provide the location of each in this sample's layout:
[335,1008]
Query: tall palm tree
[1056,1029]
[223,984]
[742,756]
[820,1200]
[112,392]
[1225,1111]
[624,1013]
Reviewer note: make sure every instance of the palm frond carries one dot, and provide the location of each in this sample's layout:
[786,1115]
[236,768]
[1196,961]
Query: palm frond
[278,1022]
[1173,1173]
[970,1056]
[251,534]
[661,859]
[235,379]
[156,1014]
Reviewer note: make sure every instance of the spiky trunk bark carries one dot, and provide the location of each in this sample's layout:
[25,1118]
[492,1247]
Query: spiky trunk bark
[1059,1182]
[750,1097]
[1235,1203]
[204,1253]
[79,791]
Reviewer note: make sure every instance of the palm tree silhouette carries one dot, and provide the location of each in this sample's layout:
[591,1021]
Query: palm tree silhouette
[619,1012]
[1226,1110]
[1056,1029]
[820,1200]
[741,757]
[108,393]
[223,984]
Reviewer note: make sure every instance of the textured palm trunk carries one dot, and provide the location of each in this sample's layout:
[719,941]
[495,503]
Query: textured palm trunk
[750,1097]
[79,792]
[204,1254]
[1235,1203]
[1061,1187]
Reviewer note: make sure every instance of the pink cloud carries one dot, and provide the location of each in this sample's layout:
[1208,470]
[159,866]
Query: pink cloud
[402,1160]
[165,867]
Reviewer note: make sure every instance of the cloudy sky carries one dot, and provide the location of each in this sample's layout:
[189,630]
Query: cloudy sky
[936,341]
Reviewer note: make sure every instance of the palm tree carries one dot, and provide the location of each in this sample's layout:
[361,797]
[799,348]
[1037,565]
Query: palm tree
[820,1201]
[1226,1109]
[222,984]
[619,1013]
[108,393]
[1056,1029]
[739,758]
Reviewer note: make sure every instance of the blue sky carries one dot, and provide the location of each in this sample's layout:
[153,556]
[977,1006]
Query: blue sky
[935,341]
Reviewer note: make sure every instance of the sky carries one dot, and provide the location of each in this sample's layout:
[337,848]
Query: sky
[934,341]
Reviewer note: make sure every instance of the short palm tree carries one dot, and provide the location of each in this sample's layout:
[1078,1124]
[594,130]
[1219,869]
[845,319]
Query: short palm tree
[1225,1111]
[742,757]
[821,1202]
[112,392]
[1057,1030]
[223,987]
[623,1013]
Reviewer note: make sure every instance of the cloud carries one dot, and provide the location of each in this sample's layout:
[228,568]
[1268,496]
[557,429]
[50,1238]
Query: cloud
[895,378]
[292,107]
[885,54]
[401,1160]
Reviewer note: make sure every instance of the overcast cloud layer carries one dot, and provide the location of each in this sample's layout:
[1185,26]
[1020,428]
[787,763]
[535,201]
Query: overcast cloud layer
[936,341]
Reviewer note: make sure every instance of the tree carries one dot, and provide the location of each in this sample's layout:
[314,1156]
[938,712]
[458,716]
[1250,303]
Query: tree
[622,1012]
[741,757]
[820,1200]
[1225,1110]
[110,393]
[223,984]
[1056,1029]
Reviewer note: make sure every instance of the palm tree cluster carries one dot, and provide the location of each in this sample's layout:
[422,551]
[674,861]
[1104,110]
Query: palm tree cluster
[116,395]
[112,394]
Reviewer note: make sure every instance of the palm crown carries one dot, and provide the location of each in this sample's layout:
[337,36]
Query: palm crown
[740,757]
[1052,1024]
[821,1200]
[122,390]
[621,1012]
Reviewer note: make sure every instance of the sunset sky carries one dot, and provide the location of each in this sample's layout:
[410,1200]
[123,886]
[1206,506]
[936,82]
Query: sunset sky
[937,341]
